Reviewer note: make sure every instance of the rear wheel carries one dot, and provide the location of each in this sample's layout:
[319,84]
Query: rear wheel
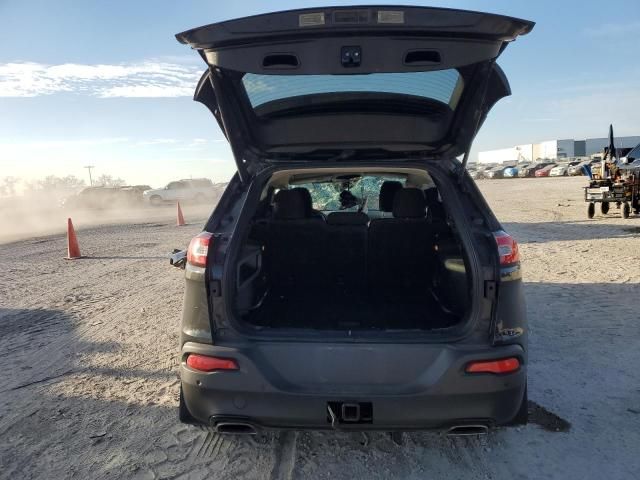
[604,208]
[156,200]
[184,415]
[626,210]
[591,210]
[522,417]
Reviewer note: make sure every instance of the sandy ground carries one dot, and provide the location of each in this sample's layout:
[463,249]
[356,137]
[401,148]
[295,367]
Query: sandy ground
[89,349]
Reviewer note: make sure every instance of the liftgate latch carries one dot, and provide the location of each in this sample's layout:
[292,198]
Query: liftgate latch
[490,289]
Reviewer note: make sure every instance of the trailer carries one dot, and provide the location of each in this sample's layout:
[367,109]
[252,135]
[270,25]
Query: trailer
[621,188]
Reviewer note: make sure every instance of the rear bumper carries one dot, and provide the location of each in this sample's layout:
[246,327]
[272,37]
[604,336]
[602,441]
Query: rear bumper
[296,395]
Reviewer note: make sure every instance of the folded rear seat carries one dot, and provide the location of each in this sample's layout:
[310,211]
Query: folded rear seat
[346,250]
[400,251]
[294,251]
[388,191]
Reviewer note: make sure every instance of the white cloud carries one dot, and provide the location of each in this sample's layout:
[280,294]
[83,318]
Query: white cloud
[145,79]
[609,30]
[86,146]
[158,141]
[7,145]
[540,119]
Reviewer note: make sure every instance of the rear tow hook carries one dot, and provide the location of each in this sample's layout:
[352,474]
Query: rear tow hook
[333,417]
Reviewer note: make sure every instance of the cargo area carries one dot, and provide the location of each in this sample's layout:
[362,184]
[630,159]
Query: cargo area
[352,252]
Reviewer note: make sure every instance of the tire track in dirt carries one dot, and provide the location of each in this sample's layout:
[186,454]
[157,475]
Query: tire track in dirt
[285,456]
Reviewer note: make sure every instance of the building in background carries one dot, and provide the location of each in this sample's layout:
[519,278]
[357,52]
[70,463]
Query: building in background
[553,149]
[596,145]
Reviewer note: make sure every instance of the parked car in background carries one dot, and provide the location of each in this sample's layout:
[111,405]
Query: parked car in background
[544,171]
[631,156]
[197,190]
[511,172]
[496,172]
[481,170]
[476,174]
[531,170]
[92,198]
[106,197]
[562,169]
[133,193]
[576,169]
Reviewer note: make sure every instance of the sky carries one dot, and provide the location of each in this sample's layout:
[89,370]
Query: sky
[106,83]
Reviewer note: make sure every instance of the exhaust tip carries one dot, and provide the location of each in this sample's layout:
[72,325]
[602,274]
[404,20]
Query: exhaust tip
[466,430]
[235,428]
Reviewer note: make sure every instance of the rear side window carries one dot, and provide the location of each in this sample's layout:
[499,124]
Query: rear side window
[444,86]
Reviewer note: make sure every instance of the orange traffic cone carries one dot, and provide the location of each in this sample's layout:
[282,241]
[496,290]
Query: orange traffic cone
[73,249]
[180,221]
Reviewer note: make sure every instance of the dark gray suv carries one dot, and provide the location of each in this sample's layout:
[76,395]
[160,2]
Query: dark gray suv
[352,276]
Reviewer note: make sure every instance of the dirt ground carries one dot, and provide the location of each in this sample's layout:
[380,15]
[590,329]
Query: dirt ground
[89,352]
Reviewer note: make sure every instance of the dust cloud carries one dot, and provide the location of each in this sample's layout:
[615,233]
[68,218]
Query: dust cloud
[37,214]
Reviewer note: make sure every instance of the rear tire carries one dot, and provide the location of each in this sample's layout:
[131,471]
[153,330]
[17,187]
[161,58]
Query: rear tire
[522,417]
[184,415]
[156,200]
[604,208]
[626,210]
[591,210]
[397,438]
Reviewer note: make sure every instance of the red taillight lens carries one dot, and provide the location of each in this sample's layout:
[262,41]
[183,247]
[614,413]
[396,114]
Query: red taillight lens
[505,365]
[198,249]
[507,248]
[209,364]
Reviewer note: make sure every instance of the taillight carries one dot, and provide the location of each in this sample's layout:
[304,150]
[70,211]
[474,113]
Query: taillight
[505,365]
[204,363]
[198,249]
[507,248]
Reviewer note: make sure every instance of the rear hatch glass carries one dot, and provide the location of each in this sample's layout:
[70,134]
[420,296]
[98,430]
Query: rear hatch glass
[444,86]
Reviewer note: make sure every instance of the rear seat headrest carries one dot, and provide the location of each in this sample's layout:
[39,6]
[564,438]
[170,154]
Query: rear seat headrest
[388,191]
[306,197]
[409,203]
[347,218]
[431,195]
[435,212]
[289,205]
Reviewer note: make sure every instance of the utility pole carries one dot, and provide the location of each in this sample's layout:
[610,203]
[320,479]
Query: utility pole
[89,167]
